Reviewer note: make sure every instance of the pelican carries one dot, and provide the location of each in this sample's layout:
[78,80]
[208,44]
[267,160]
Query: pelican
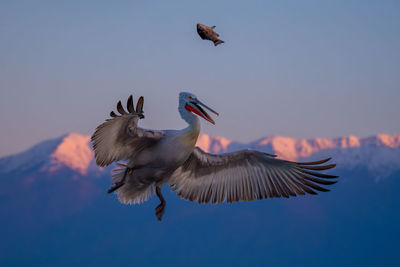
[155,157]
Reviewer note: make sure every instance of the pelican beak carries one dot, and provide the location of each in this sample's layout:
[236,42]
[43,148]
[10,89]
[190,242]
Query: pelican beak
[196,107]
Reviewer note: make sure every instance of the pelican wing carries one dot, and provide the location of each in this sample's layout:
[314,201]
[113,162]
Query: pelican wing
[120,138]
[246,175]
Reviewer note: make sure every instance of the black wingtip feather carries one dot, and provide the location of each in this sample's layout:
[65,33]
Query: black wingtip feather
[112,114]
[319,181]
[120,108]
[139,105]
[318,168]
[129,104]
[314,186]
[314,162]
[322,175]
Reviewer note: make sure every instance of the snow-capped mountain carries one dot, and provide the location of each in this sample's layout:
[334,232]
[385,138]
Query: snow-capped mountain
[71,151]
[380,154]
[54,205]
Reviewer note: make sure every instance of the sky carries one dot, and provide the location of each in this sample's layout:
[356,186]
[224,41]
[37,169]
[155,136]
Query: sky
[296,68]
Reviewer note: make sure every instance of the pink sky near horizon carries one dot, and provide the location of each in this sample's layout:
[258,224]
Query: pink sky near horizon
[302,69]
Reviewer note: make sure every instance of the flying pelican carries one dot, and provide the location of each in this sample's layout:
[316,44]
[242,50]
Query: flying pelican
[155,157]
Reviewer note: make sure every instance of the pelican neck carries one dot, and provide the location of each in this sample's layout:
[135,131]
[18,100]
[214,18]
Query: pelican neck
[191,119]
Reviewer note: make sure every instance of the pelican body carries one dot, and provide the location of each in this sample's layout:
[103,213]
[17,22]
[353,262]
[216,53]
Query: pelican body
[155,157]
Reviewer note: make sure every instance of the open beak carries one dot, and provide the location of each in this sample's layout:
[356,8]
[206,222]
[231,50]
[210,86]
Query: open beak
[196,106]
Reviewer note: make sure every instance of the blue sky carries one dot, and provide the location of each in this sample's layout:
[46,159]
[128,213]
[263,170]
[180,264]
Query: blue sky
[295,68]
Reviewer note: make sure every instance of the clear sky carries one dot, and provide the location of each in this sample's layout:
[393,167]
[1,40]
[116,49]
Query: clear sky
[295,68]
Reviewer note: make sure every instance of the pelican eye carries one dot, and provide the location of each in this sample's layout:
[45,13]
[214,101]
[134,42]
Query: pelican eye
[190,98]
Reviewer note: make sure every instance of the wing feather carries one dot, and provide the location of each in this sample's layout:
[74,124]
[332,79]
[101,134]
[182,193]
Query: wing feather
[246,175]
[129,104]
[120,138]
[120,108]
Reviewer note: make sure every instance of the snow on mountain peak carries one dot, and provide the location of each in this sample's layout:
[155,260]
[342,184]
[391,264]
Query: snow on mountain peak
[214,144]
[74,152]
[382,139]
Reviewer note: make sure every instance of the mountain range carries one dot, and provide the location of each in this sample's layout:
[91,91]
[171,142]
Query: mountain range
[55,211]
[74,151]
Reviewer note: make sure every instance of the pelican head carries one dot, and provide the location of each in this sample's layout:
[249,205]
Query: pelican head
[193,105]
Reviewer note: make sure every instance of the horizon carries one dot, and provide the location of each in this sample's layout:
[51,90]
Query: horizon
[2,155]
[74,152]
[387,140]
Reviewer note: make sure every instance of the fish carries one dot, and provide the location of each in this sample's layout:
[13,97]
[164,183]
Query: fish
[208,33]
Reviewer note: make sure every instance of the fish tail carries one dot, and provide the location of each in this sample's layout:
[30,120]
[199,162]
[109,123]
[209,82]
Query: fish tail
[217,42]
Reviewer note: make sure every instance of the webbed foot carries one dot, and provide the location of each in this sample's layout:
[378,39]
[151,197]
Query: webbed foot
[115,187]
[160,208]
[120,183]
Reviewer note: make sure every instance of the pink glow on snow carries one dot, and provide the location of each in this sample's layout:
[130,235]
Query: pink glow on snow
[204,142]
[74,152]
[215,144]
[388,140]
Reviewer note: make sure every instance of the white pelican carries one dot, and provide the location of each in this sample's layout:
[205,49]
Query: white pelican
[154,157]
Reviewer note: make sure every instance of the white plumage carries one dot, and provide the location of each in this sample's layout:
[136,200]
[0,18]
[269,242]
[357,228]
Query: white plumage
[154,158]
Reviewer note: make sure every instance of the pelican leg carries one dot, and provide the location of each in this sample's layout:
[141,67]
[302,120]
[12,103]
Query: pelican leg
[120,183]
[160,208]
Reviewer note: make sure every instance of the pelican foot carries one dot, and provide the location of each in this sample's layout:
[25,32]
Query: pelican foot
[120,183]
[160,210]
[115,187]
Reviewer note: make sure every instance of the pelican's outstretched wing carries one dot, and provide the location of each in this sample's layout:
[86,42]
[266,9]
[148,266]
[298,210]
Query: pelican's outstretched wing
[120,137]
[246,175]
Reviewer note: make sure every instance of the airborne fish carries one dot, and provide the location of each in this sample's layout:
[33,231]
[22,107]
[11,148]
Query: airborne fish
[208,33]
